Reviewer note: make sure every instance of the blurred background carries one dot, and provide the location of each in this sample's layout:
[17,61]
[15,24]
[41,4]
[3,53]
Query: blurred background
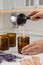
[7,7]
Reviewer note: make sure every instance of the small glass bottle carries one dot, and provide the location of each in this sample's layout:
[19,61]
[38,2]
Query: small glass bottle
[22,41]
[12,39]
[4,42]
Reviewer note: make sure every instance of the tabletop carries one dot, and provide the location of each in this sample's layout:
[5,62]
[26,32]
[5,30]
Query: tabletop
[12,51]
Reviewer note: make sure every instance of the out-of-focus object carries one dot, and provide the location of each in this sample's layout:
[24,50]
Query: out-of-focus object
[12,39]
[18,19]
[22,41]
[35,60]
[4,42]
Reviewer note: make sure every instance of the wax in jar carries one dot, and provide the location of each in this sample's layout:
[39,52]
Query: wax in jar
[12,39]
[22,41]
[4,42]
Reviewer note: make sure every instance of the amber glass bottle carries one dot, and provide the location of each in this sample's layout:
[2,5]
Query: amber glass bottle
[12,39]
[22,42]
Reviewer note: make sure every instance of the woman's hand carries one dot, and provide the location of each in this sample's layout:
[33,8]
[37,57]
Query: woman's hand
[37,13]
[33,48]
[34,61]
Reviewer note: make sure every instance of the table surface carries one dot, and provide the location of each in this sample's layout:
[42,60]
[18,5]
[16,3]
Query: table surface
[12,51]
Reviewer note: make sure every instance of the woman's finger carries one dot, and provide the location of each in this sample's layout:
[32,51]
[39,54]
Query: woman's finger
[36,60]
[33,12]
[35,17]
[29,60]
[32,49]
[25,62]
[33,53]
[28,46]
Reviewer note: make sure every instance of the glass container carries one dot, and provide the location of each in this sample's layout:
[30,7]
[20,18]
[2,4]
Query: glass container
[22,41]
[12,39]
[4,42]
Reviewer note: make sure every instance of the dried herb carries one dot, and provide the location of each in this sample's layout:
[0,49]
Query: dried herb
[9,57]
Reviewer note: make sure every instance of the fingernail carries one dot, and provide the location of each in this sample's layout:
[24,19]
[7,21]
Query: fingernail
[21,51]
[30,54]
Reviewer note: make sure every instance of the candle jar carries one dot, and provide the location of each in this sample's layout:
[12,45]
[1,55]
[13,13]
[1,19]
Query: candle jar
[4,42]
[12,39]
[22,41]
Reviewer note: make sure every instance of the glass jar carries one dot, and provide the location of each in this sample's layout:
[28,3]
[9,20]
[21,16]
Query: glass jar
[4,42]
[12,39]
[22,41]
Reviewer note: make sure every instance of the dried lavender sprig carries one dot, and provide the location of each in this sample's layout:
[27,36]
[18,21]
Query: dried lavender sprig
[0,59]
[10,57]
